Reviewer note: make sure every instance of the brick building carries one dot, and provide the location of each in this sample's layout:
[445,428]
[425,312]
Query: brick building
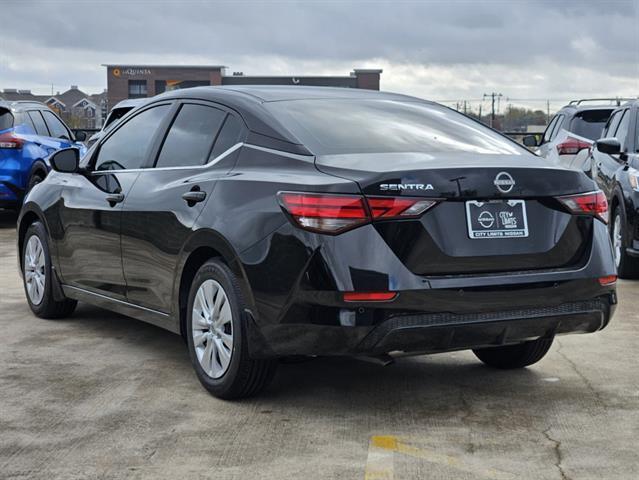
[139,81]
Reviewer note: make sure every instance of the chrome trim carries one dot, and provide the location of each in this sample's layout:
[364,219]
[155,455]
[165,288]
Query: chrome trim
[297,156]
[220,157]
[122,302]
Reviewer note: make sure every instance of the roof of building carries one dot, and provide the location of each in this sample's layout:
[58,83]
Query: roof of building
[190,67]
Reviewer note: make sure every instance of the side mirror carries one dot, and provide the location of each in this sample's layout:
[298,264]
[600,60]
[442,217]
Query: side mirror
[530,141]
[610,145]
[66,160]
[80,136]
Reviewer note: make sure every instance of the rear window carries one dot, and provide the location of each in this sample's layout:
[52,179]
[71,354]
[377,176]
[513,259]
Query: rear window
[328,126]
[589,123]
[6,119]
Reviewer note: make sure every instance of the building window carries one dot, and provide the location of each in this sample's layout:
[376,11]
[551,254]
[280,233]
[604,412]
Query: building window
[137,89]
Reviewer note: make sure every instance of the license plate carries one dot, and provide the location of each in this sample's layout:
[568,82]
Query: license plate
[497,219]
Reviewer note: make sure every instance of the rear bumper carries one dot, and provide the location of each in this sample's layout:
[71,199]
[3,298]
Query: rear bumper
[434,332]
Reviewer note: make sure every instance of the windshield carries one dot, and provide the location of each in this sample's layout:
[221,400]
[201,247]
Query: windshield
[116,114]
[590,123]
[328,126]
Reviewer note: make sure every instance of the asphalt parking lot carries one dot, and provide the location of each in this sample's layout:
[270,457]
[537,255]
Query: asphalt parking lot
[99,395]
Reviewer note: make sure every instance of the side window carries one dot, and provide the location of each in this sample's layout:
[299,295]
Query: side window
[560,121]
[622,130]
[38,122]
[229,136]
[611,126]
[56,127]
[129,145]
[637,133]
[25,119]
[191,136]
[549,129]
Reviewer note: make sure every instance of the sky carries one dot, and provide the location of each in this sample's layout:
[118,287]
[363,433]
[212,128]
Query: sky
[530,51]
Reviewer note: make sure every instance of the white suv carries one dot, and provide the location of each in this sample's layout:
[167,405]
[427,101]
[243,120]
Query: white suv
[574,128]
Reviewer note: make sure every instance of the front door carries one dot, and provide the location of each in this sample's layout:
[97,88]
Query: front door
[90,208]
[168,198]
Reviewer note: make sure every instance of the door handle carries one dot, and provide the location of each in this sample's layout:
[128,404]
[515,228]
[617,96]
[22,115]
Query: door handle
[193,197]
[114,198]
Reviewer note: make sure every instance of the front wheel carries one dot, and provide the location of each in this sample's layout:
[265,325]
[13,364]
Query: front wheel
[38,276]
[217,337]
[515,356]
[627,266]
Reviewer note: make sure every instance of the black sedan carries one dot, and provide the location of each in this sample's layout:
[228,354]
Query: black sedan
[266,222]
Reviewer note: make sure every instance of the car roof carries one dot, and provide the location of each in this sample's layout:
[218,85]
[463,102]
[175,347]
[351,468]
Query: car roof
[276,93]
[130,103]
[250,101]
[20,105]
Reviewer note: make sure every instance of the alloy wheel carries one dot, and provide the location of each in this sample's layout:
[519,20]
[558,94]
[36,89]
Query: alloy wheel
[617,243]
[34,269]
[212,328]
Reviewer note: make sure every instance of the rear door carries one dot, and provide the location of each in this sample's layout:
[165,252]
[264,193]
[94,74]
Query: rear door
[200,146]
[90,206]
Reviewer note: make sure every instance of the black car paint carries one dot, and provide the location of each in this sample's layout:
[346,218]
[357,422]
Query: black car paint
[137,256]
[610,172]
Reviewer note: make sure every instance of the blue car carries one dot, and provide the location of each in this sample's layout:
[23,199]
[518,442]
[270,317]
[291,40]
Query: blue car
[29,133]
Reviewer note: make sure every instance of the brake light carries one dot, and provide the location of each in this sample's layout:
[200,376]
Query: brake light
[336,213]
[572,146]
[9,140]
[592,203]
[369,296]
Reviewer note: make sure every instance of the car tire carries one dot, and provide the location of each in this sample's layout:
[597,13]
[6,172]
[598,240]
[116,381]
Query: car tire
[216,331]
[34,179]
[627,266]
[37,275]
[515,356]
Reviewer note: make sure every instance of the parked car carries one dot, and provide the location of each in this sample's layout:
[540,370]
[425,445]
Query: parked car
[615,164]
[119,110]
[574,128]
[265,222]
[29,133]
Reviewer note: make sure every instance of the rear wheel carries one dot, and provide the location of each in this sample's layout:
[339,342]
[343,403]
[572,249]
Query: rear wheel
[515,356]
[217,337]
[627,266]
[38,276]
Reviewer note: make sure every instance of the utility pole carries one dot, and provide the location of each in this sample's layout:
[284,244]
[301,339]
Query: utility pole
[547,112]
[465,111]
[492,96]
[480,113]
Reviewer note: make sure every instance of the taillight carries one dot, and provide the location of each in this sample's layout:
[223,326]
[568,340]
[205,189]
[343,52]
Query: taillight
[572,146]
[389,207]
[607,280]
[325,213]
[9,140]
[336,213]
[592,203]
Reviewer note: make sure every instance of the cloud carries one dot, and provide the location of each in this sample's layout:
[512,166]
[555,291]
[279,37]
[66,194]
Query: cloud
[457,49]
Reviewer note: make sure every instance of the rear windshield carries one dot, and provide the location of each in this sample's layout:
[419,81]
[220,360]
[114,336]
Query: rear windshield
[589,123]
[6,119]
[328,126]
